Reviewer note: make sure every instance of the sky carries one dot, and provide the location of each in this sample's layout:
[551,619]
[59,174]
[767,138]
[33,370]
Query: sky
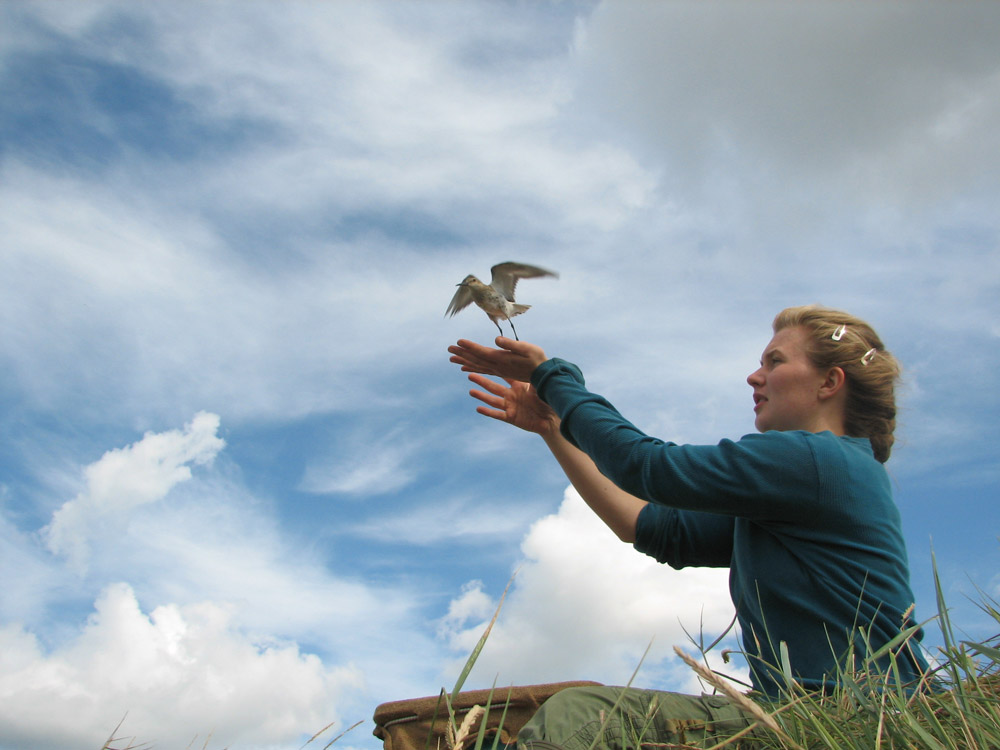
[243,494]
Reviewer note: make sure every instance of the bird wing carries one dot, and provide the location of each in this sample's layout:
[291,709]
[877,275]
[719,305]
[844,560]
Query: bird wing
[505,276]
[461,300]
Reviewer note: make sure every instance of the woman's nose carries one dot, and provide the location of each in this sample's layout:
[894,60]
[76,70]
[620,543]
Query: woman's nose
[754,377]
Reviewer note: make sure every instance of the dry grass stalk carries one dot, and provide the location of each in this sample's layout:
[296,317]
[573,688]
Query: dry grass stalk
[736,697]
[455,739]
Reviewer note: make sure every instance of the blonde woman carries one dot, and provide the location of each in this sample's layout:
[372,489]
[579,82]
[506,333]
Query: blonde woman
[801,513]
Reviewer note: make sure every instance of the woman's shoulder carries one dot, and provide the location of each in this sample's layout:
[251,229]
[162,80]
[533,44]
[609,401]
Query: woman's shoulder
[823,447]
[825,440]
[848,479]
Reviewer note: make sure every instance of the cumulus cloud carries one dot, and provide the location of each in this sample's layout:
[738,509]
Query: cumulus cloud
[126,478]
[473,603]
[220,577]
[173,674]
[585,606]
[214,541]
[226,549]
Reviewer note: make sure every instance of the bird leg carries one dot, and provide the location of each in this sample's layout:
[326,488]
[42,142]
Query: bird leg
[513,329]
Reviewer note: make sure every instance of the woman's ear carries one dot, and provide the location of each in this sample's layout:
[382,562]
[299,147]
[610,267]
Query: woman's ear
[833,383]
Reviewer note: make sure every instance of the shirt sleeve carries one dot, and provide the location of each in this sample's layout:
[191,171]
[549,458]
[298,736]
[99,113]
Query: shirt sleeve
[685,538]
[761,477]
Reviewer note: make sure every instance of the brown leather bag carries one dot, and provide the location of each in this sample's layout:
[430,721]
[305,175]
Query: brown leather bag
[407,724]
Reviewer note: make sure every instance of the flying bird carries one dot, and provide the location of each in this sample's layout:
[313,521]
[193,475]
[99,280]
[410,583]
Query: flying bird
[497,297]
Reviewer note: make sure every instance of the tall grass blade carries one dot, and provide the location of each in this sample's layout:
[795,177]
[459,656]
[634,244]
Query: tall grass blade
[313,738]
[355,725]
[469,664]
[786,667]
[618,701]
[486,715]
[471,661]
[503,718]
[983,649]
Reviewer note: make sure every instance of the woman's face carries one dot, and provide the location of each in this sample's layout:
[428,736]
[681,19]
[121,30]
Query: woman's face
[786,386]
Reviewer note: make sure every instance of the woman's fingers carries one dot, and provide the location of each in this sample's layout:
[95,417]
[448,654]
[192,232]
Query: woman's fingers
[496,402]
[491,385]
[473,365]
[494,413]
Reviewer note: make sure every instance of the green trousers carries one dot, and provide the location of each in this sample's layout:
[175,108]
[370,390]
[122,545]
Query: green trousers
[574,718]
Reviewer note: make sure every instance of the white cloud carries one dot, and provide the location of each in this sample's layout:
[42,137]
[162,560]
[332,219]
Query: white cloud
[214,541]
[379,473]
[472,604]
[364,463]
[126,478]
[585,606]
[178,673]
[212,557]
[219,545]
[395,111]
[463,518]
[287,265]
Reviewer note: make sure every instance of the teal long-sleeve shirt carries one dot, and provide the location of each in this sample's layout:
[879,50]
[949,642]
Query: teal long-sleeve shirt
[805,522]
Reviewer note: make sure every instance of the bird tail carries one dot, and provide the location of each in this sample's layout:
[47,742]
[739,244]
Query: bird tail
[518,308]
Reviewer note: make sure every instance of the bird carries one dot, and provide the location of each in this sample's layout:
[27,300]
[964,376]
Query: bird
[496,298]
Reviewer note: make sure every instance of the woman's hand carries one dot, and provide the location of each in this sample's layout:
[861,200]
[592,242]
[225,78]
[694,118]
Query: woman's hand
[515,403]
[513,360]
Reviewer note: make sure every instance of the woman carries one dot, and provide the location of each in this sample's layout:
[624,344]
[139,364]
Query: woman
[801,513]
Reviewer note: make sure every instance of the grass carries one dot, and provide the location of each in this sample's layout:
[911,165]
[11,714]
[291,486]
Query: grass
[957,706]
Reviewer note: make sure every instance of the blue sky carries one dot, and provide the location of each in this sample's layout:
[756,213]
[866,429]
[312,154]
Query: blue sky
[242,492]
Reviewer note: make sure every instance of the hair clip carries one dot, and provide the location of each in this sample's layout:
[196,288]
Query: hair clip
[839,333]
[868,356]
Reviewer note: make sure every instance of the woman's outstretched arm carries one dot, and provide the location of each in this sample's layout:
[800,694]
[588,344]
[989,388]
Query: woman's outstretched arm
[517,403]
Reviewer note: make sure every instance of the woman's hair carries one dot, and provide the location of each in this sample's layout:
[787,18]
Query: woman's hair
[837,339]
